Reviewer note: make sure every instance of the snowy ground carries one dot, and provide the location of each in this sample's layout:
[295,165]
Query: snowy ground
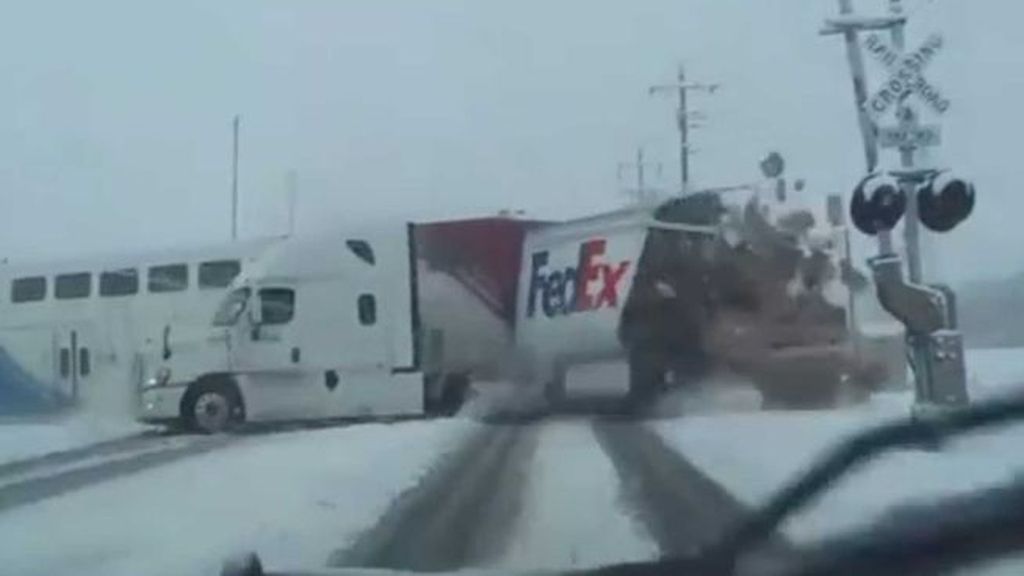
[294,497]
[752,453]
[572,516]
[27,438]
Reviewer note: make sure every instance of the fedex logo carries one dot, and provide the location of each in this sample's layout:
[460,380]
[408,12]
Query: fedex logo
[592,284]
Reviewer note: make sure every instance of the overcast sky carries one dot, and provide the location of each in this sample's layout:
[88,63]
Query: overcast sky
[118,114]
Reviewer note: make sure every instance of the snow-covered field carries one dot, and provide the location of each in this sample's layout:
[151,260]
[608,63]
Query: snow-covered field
[26,438]
[572,516]
[294,497]
[753,453]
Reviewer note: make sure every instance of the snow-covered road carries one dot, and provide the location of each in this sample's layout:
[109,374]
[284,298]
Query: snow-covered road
[294,497]
[573,515]
[448,493]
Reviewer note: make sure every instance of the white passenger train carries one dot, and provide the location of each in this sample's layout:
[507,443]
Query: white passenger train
[75,329]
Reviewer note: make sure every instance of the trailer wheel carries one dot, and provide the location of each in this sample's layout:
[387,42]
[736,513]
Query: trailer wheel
[778,395]
[453,394]
[646,379]
[211,407]
[554,387]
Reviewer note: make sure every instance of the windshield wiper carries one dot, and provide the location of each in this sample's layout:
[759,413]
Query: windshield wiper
[925,432]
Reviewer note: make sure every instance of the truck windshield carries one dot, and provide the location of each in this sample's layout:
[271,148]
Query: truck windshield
[231,308]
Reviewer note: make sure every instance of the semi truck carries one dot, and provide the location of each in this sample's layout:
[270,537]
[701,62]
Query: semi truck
[403,321]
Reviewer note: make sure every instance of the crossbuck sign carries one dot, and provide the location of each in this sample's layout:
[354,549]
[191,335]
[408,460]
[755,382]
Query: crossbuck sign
[905,76]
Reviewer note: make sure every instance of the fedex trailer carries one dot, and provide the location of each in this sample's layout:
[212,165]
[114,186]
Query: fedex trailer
[397,321]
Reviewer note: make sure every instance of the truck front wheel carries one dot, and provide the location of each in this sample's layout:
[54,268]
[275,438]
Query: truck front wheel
[211,408]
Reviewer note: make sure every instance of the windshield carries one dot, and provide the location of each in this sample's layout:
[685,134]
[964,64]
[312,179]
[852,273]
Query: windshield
[512,285]
[232,307]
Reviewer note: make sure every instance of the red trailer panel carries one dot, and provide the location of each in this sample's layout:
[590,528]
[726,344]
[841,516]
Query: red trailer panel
[483,254]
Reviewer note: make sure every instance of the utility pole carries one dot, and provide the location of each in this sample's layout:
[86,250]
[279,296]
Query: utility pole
[234,177]
[640,169]
[684,130]
[291,186]
[684,119]
[641,193]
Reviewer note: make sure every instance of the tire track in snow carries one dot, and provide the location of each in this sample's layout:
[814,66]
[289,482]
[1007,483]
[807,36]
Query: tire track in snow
[573,517]
[61,457]
[38,481]
[29,480]
[682,508]
[460,514]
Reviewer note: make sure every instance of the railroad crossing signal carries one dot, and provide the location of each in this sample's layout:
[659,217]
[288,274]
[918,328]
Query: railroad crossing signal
[905,76]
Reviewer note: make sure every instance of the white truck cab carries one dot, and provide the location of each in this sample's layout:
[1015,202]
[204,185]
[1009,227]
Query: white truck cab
[315,328]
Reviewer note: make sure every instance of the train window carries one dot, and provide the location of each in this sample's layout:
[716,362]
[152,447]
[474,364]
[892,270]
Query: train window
[168,278]
[124,282]
[29,289]
[70,286]
[367,306]
[218,273]
[363,250]
[277,305]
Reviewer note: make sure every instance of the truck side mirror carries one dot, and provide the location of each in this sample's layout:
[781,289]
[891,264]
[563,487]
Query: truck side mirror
[255,312]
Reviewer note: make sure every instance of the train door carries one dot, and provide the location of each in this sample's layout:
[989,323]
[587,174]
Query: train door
[74,361]
[76,349]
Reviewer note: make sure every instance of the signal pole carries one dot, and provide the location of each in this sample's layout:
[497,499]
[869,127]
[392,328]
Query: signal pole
[683,118]
[911,230]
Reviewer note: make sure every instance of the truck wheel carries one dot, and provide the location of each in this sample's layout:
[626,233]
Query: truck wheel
[776,395]
[211,409]
[646,379]
[453,395]
[554,388]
